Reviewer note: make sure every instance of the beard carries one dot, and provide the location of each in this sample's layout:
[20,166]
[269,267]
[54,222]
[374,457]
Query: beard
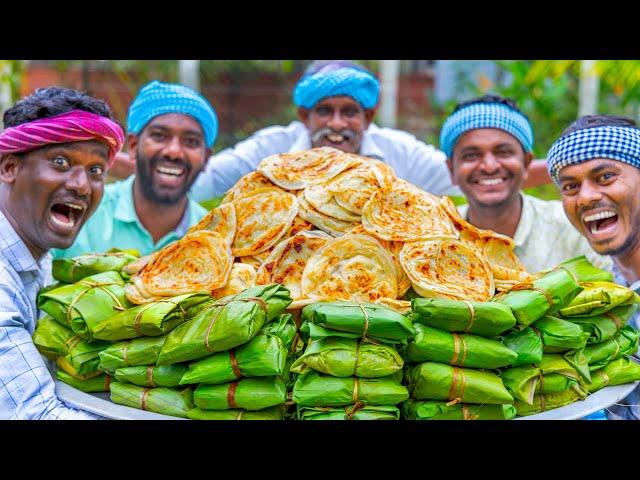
[145,167]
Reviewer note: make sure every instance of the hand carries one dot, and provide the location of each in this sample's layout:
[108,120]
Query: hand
[538,174]
[122,167]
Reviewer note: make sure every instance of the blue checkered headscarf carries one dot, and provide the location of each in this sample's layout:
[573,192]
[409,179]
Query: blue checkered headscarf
[606,141]
[157,98]
[485,115]
[334,79]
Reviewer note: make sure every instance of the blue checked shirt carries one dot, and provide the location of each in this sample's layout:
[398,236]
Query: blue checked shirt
[27,390]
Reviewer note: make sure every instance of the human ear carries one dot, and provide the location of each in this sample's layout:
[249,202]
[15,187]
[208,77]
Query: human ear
[9,168]
[303,115]
[132,144]
[450,167]
[368,116]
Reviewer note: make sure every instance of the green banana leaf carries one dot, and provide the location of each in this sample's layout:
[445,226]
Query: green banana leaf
[368,320]
[271,413]
[436,381]
[285,328]
[225,324]
[312,332]
[604,326]
[360,412]
[151,319]
[66,366]
[128,353]
[599,297]
[167,401]
[262,356]
[486,319]
[625,342]
[554,374]
[245,394]
[313,389]
[82,305]
[150,376]
[620,371]
[435,345]
[526,343]
[436,410]
[578,360]
[559,335]
[549,401]
[585,271]
[72,270]
[549,293]
[96,384]
[345,357]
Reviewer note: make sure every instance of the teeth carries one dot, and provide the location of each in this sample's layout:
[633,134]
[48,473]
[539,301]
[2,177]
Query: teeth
[599,216]
[335,138]
[75,207]
[170,171]
[490,181]
[70,223]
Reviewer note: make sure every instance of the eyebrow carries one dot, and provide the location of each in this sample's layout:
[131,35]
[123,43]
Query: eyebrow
[593,171]
[167,129]
[75,147]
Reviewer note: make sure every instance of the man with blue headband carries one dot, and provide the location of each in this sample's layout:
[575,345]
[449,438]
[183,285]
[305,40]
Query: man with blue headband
[488,142]
[596,164]
[171,131]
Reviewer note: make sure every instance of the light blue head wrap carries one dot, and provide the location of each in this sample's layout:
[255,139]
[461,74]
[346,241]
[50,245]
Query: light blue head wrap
[157,98]
[334,79]
[485,115]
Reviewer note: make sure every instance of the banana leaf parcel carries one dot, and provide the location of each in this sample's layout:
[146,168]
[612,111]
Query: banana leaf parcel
[72,270]
[436,381]
[625,342]
[549,401]
[313,389]
[82,305]
[585,271]
[151,319]
[99,383]
[262,356]
[526,343]
[150,376]
[285,328]
[435,345]
[618,372]
[599,297]
[352,412]
[486,319]
[66,366]
[245,394]
[545,296]
[559,335]
[345,357]
[368,320]
[225,324]
[167,401]
[271,413]
[437,410]
[128,353]
[604,326]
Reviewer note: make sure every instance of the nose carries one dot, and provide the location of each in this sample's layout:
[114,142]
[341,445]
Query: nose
[78,181]
[336,121]
[173,149]
[588,194]
[489,164]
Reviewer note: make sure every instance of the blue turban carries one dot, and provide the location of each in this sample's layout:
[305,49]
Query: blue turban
[336,79]
[157,98]
[485,115]
[606,141]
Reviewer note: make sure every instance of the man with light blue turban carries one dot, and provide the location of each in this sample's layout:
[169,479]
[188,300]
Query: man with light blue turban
[489,144]
[171,132]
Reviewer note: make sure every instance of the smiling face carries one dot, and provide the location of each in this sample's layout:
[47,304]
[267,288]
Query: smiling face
[337,122]
[52,191]
[489,166]
[600,198]
[170,152]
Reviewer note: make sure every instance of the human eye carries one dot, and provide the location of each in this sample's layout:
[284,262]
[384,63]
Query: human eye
[97,170]
[569,188]
[193,142]
[350,112]
[323,111]
[606,177]
[157,135]
[60,161]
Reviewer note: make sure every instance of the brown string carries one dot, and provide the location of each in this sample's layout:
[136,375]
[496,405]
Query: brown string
[366,321]
[615,319]
[224,303]
[605,377]
[355,365]
[466,414]
[617,348]
[239,417]
[93,285]
[472,316]
[351,411]
[150,376]
[542,404]
[536,331]
[575,279]
[125,350]
[355,390]
[67,348]
[456,392]
[145,394]
[136,323]
[527,286]
[107,382]
[541,382]
[459,346]
[234,364]
[231,395]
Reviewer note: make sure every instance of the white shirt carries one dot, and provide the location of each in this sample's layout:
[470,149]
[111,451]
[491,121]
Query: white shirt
[413,160]
[544,237]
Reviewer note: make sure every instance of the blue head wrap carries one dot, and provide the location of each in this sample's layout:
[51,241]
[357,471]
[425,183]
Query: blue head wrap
[334,79]
[157,98]
[485,115]
[606,141]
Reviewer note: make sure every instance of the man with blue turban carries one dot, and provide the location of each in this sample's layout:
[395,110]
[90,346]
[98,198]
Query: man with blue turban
[171,131]
[488,142]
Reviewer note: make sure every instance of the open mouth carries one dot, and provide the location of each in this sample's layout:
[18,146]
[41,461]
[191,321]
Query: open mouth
[491,182]
[173,171]
[336,138]
[600,222]
[66,215]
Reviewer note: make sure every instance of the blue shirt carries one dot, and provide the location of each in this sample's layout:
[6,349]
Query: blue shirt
[27,390]
[115,224]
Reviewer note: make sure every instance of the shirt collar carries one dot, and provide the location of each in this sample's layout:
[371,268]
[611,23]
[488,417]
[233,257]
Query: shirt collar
[368,148]
[16,251]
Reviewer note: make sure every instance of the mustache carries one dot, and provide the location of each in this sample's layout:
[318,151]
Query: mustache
[347,133]
[586,208]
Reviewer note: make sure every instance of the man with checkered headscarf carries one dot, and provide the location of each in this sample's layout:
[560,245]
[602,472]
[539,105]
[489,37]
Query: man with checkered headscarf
[489,143]
[596,164]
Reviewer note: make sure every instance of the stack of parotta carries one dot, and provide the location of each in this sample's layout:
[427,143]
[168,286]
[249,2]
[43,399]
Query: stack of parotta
[331,225]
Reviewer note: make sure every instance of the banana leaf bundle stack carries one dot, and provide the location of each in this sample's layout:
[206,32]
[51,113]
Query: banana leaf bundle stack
[351,368]
[99,383]
[598,355]
[72,270]
[440,410]
[271,413]
[167,401]
[617,372]
[142,351]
